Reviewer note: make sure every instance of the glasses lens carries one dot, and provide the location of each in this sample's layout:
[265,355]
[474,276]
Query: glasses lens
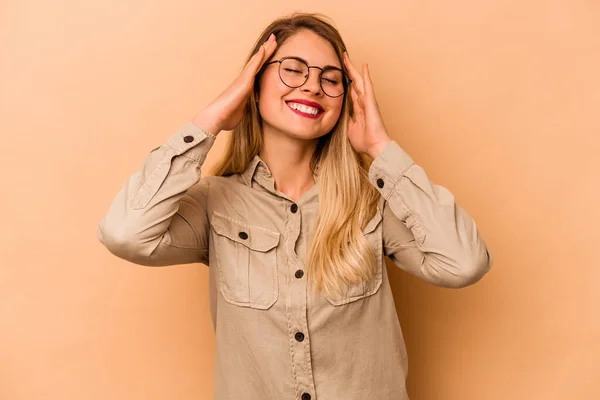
[332,82]
[293,72]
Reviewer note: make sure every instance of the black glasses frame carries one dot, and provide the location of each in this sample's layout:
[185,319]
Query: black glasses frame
[346,79]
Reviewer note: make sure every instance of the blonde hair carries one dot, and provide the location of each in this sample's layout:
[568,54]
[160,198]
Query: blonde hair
[339,255]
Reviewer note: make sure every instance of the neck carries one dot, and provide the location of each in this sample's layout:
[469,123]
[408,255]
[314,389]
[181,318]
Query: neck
[288,159]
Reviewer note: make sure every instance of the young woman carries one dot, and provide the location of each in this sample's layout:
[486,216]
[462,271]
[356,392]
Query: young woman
[295,223]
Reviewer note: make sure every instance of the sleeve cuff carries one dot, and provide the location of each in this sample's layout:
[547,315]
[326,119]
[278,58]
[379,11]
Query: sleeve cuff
[388,167]
[188,137]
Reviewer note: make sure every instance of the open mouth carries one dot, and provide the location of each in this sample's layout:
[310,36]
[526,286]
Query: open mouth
[308,111]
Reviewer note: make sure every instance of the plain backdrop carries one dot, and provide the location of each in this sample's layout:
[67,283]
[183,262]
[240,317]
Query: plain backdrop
[498,100]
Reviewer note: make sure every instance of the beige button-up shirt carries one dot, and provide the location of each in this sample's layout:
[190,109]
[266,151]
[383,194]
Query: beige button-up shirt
[276,340]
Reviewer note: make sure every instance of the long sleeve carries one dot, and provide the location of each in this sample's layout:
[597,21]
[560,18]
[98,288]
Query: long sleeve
[424,231]
[158,217]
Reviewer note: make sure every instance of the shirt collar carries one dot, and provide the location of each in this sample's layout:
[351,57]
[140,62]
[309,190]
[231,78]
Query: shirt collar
[257,165]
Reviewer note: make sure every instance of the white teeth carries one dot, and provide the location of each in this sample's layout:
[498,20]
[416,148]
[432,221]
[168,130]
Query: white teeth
[304,108]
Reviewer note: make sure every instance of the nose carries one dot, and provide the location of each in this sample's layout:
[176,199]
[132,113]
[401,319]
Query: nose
[312,84]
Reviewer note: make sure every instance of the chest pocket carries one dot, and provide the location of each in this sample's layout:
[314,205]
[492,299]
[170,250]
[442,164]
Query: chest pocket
[373,233]
[247,262]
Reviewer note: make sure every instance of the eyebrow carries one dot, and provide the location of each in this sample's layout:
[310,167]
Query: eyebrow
[307,63]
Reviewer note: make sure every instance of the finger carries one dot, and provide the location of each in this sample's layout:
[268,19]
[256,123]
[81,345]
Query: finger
[358,108]
[268,48]
[357,79]
[258,59]
[367,80]
[255,60]
[271,45]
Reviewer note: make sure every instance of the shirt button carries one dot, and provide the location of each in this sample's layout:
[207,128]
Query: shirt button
[243,235]
[305,396]
[188,139]
[299,274]
[299,336]
[380,183]
[294,208]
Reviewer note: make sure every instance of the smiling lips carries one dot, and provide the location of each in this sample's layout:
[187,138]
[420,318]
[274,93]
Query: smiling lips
[306,108]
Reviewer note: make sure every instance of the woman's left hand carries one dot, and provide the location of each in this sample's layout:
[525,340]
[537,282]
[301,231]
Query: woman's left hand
[366,131]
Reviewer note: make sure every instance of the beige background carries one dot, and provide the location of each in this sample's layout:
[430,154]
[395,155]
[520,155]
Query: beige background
[498,100]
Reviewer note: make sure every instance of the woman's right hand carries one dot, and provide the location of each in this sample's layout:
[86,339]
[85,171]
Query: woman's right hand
[227,110]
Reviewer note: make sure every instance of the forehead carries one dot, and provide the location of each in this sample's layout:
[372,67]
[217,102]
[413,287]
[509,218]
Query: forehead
[309,46]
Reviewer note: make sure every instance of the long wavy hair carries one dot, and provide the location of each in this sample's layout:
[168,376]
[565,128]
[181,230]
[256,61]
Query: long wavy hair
[339,255]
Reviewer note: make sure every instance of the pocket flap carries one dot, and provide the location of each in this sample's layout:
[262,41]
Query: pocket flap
[252,236]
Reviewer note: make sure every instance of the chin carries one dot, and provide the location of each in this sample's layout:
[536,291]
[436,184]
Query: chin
[304,134]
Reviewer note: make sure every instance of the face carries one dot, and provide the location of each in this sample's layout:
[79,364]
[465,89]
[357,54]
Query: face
[304,112]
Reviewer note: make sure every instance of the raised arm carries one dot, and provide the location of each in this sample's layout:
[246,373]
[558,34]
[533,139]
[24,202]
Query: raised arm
[424,231]
[159,215]
[153,220]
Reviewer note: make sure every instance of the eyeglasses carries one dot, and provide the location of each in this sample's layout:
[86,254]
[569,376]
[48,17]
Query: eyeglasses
[294,71]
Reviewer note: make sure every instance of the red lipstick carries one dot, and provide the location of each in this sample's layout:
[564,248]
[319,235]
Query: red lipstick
[307,103]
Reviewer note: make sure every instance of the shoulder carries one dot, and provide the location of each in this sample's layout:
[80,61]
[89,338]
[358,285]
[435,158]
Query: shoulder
[221,181]
[213,185]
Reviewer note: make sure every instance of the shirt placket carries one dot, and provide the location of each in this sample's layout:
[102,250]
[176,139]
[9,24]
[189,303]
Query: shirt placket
[296,303]
[296,295]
